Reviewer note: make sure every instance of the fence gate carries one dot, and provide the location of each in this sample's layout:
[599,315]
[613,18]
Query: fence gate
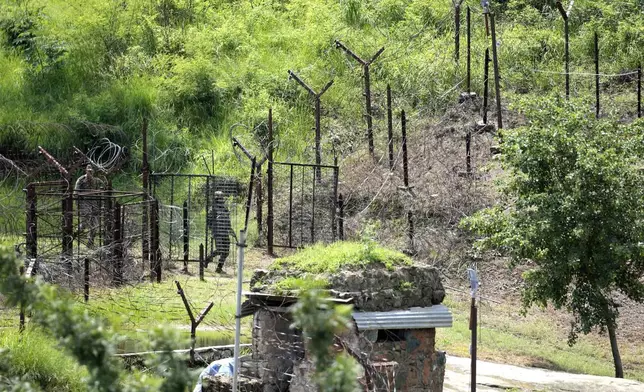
[186,218]
[304,204]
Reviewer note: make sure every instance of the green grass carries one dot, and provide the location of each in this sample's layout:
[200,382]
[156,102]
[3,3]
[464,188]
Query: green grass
[534,341]
[321,258]
[37,358]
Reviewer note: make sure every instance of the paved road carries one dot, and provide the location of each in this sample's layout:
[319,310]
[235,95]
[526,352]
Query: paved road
[494,377]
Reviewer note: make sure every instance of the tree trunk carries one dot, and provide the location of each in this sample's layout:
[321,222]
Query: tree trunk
[619,371]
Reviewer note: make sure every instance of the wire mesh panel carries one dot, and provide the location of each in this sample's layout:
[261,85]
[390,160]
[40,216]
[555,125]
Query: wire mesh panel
[304,204]
[197,210]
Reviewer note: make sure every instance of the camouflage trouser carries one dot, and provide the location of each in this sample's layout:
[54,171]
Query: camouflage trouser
[222,245]
[89,220]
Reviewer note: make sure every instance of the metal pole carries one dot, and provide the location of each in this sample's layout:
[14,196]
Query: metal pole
[201,263]
[457,32]
[341,217]
[334,208]
[473,328]
[32,223]
[564,15]
[497,77]
[259,201]
[469,52]
[240,272]
[290,211]
[68,232]
[269,174]
[486,80]
[367,89]
[390,129]
[117,245]
[468,159]
[474,284]
[596,75]
[186,237]
[639,91]
[318,148]
[21,316]
[403,123]
[145,173]
[367,94]
[86,280]
[313,212]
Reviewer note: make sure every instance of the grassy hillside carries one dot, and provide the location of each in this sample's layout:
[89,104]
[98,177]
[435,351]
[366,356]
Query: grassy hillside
[198,67]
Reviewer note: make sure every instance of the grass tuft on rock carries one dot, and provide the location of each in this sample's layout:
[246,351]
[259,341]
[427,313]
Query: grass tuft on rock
[328,259]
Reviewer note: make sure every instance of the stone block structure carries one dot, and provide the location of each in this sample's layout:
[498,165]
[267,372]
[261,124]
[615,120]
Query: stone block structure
[396,313]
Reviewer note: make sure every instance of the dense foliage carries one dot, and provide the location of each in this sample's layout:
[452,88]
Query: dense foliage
[86,339]
[197,67]
[571,211]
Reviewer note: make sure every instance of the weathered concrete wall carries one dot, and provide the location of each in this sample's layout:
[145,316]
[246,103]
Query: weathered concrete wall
[275,347]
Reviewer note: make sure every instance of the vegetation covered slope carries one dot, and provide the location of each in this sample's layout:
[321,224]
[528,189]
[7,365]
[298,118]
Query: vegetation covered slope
[197,67]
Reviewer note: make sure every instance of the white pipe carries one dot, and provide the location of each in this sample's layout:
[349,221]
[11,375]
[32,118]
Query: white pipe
[240,277]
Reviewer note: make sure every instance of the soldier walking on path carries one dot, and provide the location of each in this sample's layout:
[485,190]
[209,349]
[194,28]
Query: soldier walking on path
[219,222]
[88,209]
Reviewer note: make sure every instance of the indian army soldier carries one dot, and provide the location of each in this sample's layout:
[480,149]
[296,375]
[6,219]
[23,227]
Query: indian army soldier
[219,223]
[88,208]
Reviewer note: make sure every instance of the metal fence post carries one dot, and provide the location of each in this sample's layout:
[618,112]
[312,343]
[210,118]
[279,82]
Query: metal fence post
[367,89]
[596,76]
[390,129]
[260,203]
[68,232]
[486,79]
[410,216]
[155,260]
[86,279]
[186,237]
[269,174]
[341,217]
[497,77]
[21,316]
[564,15]
[32,223]
[117,244]
[468,144]
[201,263]
[145,176]
[639,91]
[469,53]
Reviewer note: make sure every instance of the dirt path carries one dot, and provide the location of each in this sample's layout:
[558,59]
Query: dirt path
[494,377]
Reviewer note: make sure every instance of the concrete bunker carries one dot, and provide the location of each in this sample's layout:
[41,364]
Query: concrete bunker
[397,308]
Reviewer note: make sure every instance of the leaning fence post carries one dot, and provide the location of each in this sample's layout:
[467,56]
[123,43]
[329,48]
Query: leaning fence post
[269,174]
[259,201]
[201,263]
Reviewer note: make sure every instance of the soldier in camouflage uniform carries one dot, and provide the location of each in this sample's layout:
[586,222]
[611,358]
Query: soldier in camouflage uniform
[89,210]
[219,223]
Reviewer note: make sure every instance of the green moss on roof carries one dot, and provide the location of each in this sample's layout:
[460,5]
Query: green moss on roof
[327,259]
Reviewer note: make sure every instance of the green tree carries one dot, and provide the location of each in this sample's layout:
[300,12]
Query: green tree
[320,322]
[572,210]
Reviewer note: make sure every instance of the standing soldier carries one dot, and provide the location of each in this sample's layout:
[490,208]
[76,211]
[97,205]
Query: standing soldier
[219,222]
[89,210]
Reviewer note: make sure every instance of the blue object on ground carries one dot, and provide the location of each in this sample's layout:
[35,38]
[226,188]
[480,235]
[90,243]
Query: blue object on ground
[220,367]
